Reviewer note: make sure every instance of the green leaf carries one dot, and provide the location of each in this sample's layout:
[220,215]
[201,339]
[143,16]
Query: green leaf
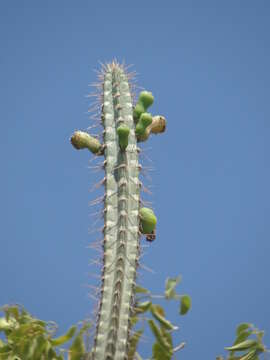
[244,345]
[6,325]
[242,336]
[167,335]
[141,290]
[158,312]
[159,353]
[12,311]
[133,320]
[77,348]
[86,326]
[249,356]
[40,347]
[64,338]
[170,285]
[161,339]
[5,349]
[142,307]
[133,344]
[242,327]
[185,304]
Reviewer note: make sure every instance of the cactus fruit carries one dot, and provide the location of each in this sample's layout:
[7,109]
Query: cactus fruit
[157,126]
[82,140]
[144,121]
[145,100]
[138,110]
[148,220]
[124,220]
[123,133]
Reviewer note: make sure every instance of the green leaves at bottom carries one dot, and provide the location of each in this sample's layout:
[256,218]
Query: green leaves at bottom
[158,313]
[64,338]
[133,344]
[77,348]
[158,353]
[185,304]
[170,285]
[244,345]
[163,339]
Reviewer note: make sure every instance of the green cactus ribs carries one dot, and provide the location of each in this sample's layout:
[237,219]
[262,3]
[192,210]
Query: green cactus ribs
[124,219]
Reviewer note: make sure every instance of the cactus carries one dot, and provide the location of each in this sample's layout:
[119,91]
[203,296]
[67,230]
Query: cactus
[123,221]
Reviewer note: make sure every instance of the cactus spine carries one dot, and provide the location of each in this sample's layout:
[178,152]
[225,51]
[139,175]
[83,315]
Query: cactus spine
[121,231]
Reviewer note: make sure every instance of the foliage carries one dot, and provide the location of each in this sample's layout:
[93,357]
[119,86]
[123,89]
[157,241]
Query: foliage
[28,338]
[147,311]
[247,345]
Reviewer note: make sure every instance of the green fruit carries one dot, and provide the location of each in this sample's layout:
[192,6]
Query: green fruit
[140,129]
[146,98]
[123,133]
[82,140]
[138,110]
[148,220]
[146,119]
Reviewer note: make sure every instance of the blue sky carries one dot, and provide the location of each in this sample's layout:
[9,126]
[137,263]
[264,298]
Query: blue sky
[207,64]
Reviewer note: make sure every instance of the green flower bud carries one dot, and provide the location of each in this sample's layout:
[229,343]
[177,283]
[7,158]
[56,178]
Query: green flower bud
[144,122]
[148,220]
[137,111]
[123,133]
[146,99]
[140,129]
[145,119]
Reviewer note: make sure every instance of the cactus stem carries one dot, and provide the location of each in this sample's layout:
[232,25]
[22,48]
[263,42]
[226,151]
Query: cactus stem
[126,217]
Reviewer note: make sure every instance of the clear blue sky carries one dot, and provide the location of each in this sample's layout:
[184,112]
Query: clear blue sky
[207,64]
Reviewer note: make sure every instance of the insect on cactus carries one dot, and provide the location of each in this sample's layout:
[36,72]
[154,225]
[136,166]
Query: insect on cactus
[125,220]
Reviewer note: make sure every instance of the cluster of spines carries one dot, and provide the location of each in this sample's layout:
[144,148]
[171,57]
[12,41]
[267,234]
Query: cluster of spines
[124,220]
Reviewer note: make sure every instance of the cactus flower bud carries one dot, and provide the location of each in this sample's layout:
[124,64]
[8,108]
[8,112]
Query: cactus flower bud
[148,220]
[144,122]
[145,119]
[123,133]
[146,99]
[137,111]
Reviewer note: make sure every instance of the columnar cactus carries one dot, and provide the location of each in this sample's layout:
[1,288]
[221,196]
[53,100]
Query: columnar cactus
[124,219]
